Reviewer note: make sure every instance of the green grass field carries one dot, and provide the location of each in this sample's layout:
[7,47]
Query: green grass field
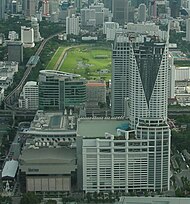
[88,62]
[55,58]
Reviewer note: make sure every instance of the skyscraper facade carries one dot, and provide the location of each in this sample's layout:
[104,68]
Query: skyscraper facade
[120,11]
[2,9]
[29,8]
[140,79]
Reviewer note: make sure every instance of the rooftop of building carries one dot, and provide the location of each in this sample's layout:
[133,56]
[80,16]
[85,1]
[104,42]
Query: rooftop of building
[31,83]
[61,160]
[8,63]
[52,122]
[97,127]
[10,169]
[96,84]
[153,200]
[59,74]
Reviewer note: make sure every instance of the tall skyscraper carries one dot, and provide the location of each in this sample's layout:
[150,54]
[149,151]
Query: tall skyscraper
[142,13]
[146,89]
[2,9]
[175,7]
[120,11]
[29,7]
[188,29]
[139,158]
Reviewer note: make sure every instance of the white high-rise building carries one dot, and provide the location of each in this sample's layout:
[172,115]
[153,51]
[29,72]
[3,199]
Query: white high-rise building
[142,13]
[72,25]
[188,29]
[35,26]
[45,8]
[29,96]
[139,158]
[27,36]
[110,29]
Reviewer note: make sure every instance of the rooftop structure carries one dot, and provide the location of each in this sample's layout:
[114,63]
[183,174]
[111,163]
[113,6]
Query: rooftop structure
[10,169]
[153,200]
[53,124]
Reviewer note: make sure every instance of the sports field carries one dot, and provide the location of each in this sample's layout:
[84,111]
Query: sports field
[90,62]
[55,58]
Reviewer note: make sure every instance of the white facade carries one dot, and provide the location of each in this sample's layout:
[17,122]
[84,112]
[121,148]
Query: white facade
[142,13]
[72,25]
[88,17]
[125,163]
[182,73]
[13,36]
[30,96]
[188,29]
[1,95]
[110,29]
[45,8]
[35,26]
[27,36]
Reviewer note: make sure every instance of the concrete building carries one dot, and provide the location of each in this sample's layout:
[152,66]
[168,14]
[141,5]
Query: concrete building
[139,158]
[56,128]
[7,71]
[29,8]
[120,63]
[120,11]
[96,94]
[2,96]
[51,172]
[188,29]
[45,8]
[2,9]
[35,26]
[15,51]
[142,13]
[88,17]
[29,97]
[153,200]
[110,29]
[72,25]
[58,90]
[12,36]
[27,36]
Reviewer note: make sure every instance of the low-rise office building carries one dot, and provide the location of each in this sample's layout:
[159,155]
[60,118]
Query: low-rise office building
[52,171]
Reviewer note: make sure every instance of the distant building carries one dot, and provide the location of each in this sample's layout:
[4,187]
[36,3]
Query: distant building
[142,13]
[2,9]
[188,29]
[2,38]
[12,36]
[7,71]
[27,36]
[35,26]
[15,51]
[88,17]
[45,8]
[120,11]
[1,95]
[29,8]
[72,25]
[29,96]
[96,92]
[110,29]
[58,90]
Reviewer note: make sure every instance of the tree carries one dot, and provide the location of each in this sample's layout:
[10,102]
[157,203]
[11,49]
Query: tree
[30,198]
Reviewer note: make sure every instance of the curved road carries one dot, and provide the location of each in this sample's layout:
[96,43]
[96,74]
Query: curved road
[19,87]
